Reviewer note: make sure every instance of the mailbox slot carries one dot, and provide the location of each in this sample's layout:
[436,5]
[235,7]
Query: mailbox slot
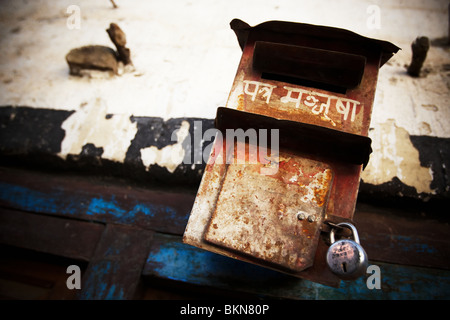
[312,67]
[310,139]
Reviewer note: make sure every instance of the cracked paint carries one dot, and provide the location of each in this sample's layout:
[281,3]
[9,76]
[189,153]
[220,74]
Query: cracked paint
[92,124]
[170,156]
[394,155]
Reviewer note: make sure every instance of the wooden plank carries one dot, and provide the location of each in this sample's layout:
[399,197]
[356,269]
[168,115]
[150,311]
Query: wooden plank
[115,270]
[21,291]
[28,274]
[63,237]
[171,259]
[95,200]
[387,235]
[403,238]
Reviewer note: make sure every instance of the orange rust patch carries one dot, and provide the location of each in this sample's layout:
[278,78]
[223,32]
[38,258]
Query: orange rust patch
[320,193]
[240,102]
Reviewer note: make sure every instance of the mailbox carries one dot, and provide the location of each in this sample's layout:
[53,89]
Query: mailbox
[299,108]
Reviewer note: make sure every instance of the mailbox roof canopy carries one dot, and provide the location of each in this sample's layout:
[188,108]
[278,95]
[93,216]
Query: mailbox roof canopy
[324,33]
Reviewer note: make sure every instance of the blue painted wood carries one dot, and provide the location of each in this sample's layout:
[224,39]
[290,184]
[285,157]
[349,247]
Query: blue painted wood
[169,258]
[114,271]
[385,236]
[167,212]
[156,210]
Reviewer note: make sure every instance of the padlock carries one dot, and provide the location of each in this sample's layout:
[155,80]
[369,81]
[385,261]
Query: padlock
[346,258]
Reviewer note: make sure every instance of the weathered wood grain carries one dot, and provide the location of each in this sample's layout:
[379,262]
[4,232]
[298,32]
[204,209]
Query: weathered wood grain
[394,236]
[170,259]
[115,269]
[63,237]
[401,237]
[95,200]
[32,275]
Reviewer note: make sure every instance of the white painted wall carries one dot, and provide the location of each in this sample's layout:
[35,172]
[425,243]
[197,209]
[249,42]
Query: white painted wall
[185,57]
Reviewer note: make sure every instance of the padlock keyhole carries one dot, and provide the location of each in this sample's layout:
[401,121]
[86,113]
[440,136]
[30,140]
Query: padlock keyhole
[344,266]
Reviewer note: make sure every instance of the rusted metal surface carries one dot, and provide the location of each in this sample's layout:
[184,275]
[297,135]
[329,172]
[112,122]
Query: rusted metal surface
[347,112]
[244,214]
[257,214]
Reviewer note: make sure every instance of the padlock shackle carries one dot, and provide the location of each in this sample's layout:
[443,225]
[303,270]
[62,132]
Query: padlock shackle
[348,225]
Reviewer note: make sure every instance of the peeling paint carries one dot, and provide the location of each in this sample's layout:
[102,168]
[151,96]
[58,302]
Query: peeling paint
[170,156]
[394,155]
[92,124]
[414,101]
[315,191]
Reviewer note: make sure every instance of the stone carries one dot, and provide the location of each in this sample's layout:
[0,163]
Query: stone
[93,57]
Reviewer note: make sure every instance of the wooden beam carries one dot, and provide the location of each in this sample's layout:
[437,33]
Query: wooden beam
[388,235]
[63,237]
[170,259]
[114,271]
[405,239]
[95,200]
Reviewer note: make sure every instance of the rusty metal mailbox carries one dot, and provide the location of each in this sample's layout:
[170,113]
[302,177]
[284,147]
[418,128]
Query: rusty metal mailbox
[303,98]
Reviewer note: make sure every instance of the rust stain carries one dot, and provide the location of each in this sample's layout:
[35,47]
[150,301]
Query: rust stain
[262,221]
[301,172]
[321,192]
[240,102]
